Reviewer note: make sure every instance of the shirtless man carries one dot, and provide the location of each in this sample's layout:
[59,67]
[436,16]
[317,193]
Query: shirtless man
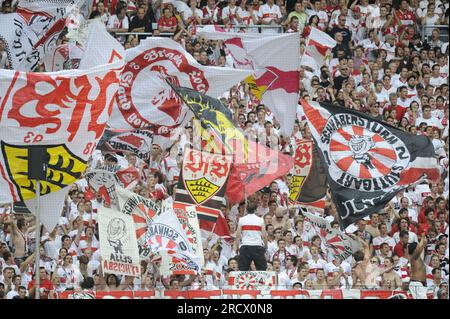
[19,229]
[367,270]
[418,284]
[390,279]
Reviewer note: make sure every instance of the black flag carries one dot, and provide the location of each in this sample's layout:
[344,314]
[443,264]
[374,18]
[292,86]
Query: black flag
[367,161]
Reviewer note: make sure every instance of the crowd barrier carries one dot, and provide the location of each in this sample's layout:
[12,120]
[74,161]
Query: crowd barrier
[238,294]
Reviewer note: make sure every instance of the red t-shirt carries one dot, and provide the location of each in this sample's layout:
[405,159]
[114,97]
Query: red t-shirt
[167,23]
[46,284]
[399,250]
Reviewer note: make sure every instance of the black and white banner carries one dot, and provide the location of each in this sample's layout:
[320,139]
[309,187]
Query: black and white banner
[368,161]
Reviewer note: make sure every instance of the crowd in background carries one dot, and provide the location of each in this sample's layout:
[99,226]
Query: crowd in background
[385,68]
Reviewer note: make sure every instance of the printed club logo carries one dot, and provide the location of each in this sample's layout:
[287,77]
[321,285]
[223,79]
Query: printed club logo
[143,82]
[364,154]
[204,174]
[302,167]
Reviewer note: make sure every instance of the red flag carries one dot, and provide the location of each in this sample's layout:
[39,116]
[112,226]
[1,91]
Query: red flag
[258,172]
[220,227]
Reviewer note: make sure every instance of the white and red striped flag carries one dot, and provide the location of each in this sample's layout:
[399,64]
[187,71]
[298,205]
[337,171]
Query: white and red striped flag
[317,48]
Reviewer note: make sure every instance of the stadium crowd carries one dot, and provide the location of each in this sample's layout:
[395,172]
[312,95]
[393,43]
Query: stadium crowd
[386,68]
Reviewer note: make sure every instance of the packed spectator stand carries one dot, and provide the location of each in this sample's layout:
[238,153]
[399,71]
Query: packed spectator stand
[393,66]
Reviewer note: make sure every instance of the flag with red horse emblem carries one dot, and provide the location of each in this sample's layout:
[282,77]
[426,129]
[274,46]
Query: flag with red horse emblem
[367,161]
[145,98]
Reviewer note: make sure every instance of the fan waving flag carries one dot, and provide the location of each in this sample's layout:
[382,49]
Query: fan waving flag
[275,64]
[32,31]
[254,165]
[66,112]
[317,48]
[340,245]
[368,161]
[145,99]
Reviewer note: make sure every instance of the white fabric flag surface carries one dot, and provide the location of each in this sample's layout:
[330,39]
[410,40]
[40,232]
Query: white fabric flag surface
[317,49]
[145,99]
[143,211]
[64,111]
[339,244]
[32,31]
[165,234]
[63,57]
[187,216]
[118,244]
[274,60]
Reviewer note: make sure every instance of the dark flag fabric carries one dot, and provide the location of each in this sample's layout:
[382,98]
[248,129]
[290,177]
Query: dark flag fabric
[368,161]
[308,184]
[138,142]
[254,165]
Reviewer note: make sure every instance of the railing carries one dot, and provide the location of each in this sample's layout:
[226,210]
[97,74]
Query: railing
[238,294]
[233,28]
[427,29]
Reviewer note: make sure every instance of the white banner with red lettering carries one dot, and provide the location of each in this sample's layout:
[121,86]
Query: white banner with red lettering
[187,216]
[145,99]
[118,244]
[64,111]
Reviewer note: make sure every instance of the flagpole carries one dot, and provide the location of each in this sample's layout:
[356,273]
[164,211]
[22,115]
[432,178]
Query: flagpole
[38,241]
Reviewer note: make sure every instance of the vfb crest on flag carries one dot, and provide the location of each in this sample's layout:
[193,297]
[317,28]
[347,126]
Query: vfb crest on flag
[204,174]
[302,167]
[363,154]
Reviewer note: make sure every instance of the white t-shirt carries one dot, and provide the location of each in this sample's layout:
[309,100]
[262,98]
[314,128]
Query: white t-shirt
[229,13]
[115,23]
[251,230]
[432,121]
[266,13]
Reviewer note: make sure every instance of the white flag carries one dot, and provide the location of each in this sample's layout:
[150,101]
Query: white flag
[340,245]
[64,111]
[276,64]
[145,99]
[118,244]
[318,46]
[32,31]
[165,234]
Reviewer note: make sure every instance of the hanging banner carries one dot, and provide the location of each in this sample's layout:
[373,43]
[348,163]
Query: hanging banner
[118,244]
[252,280]
[187,215]
[166,235]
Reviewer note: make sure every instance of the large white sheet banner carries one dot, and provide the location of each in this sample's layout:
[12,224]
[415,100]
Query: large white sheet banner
[118,244]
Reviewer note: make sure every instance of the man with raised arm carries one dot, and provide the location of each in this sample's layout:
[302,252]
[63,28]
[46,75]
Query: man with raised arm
[418,284]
